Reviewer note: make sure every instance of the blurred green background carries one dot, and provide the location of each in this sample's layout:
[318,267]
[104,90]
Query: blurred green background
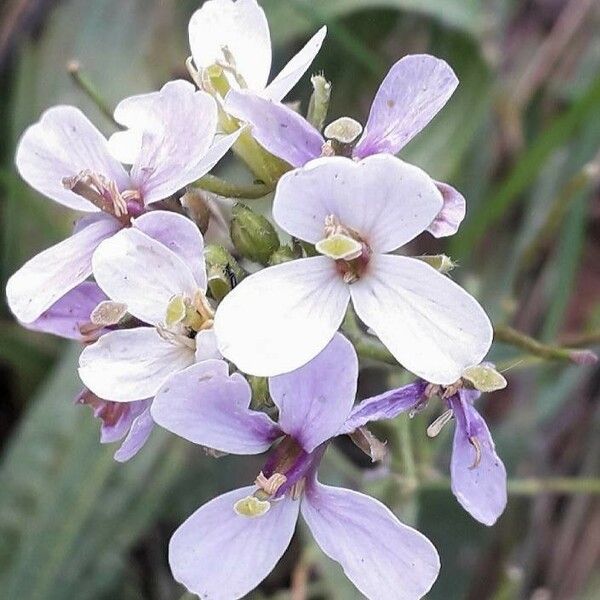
[520,139]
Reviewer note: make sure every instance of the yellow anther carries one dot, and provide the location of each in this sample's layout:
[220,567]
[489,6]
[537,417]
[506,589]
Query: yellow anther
[251,507]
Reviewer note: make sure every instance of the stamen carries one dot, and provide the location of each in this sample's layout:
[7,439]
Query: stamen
[108,313]
[270,485]
[434,429]
[251,507]
[231,66]
[194,73]
[298,488]
[452,389]
[477,445]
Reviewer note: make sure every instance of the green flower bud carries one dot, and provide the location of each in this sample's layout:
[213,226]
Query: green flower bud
[261,398]
[222,270]
[253,235]
[319,101]
[281,255]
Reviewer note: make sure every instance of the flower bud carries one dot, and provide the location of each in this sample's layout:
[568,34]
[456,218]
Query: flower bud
[261,398]
[283,254]
[223,271]
[194,202]
[253,235]
[319,101]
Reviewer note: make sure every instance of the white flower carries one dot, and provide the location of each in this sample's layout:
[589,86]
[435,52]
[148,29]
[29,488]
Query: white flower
[235,35]
[157,269]
[356,213]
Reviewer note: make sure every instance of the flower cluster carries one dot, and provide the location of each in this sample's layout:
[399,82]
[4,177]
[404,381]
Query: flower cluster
[171,325]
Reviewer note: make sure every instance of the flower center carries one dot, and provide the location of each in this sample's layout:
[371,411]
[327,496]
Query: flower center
[184,318]
[346,247]
[104,194]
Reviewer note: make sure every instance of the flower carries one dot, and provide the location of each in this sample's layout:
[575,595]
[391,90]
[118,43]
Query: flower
[170,141]
[355,212]
[234,35]
[412,93]
[130,422]
[229,545]
[156,269]
[478,476]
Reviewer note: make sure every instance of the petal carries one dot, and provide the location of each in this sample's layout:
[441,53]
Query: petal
[48,276]
[217,553]
[385,406]
[178,125]
[178,234]
[138,435]
[62,144]
[66,315]
[480,488]
[204,405]
[412,93]
[116,418]
[315,400]
[131,364]
[142,273]
[387,201]
[429,323]
[296,67]
[239,26]
[277,128]
[382,557]
[452,214]
[206,345]
[279,318]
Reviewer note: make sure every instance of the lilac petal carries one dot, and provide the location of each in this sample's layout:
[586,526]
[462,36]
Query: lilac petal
[117,418]
[385,406]
[178,234]
[131,364]
[430,324]
[138,435]
[142,273]
[206,345]
[48,276]
[387,201]
[382,557]
[296,67]
[412,93]
[452,214]
[276,320]
[177,126]
[277,128]
[239,26]
[205,405]
[217,553]
[62,144]
[67,315]
[480,488]
[315,400]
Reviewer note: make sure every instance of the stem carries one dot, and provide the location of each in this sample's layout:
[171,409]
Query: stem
[88,88]
[366,346]
[252,191]
[584,339]
[508,335]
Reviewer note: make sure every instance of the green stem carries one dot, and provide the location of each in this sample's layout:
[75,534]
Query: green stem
[367,347]
[252,191]
[508,335]
[88,88]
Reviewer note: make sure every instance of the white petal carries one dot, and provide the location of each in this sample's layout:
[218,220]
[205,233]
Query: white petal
[295,68]
[384,559]
[429,323]
[279,318]
[387,201]
[131,364]
[179,235]
[48,276]
[142,273]
[220,555]
[62,144]
[239,26]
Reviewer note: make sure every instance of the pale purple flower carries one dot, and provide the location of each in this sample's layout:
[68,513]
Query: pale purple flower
[478,476]
[171,142]
[412,93]
[153,267]
[130,422]
[235,35]
[279,318]
[229,545]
